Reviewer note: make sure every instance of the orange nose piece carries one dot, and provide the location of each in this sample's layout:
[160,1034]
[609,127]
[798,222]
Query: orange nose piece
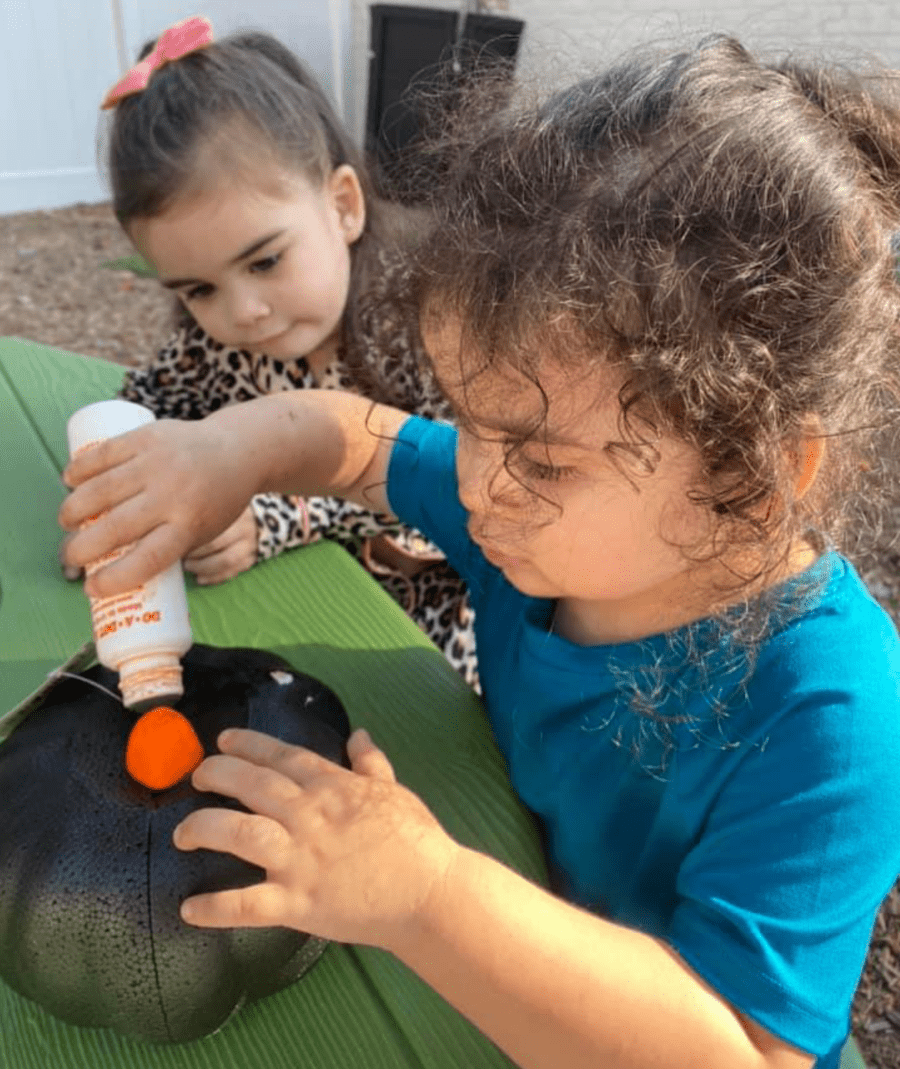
[162,749]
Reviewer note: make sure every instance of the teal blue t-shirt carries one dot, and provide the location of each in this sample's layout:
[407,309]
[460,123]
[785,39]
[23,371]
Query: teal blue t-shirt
[750,821]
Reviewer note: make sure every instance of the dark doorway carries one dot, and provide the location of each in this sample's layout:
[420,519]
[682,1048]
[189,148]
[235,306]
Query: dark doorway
[417,55]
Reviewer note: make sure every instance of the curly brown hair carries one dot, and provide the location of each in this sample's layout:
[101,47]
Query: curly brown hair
[718,229]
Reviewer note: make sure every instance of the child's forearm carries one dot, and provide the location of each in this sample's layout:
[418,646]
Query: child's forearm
[559,988]
[322,442]
[169,487]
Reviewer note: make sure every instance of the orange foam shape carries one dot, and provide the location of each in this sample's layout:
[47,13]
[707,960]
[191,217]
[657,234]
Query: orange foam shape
[162,749]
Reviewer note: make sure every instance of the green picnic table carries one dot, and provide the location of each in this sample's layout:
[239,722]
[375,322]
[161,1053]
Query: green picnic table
[358,1008]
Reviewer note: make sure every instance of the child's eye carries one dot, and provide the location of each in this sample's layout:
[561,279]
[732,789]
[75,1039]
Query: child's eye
[266,264]
[550,473]
[204,289]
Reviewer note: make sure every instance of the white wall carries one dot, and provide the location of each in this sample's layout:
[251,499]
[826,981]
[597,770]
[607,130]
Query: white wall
[564,38]
[58,57]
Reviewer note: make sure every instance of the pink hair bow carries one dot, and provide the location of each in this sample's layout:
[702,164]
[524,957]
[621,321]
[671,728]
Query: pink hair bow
[189,35]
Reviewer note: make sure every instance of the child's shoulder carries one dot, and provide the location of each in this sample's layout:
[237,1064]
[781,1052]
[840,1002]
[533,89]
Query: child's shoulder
[837,659]
[842,613]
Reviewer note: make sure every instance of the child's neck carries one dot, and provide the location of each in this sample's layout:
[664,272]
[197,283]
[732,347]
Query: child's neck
[610,623]
[320,359]
[686,599]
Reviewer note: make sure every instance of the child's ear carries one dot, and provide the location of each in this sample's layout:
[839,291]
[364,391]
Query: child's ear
[807,456]
[347,197]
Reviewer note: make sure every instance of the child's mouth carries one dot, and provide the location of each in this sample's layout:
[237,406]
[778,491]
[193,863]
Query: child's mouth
[498,559]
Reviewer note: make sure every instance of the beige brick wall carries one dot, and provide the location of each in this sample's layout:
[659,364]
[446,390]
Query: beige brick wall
[564,38]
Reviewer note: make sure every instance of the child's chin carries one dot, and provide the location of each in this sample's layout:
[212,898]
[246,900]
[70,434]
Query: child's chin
[526,580]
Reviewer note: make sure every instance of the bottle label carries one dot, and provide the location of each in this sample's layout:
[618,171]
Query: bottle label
[123,611]
[109,616]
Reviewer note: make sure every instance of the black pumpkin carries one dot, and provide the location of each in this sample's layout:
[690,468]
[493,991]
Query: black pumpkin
[90,881]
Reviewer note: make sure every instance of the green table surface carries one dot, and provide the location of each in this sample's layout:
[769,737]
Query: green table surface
[319,610]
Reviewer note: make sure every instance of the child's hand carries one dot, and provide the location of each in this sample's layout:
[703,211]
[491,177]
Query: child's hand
[349,855]
[69,572]
[165,487]
[233,552]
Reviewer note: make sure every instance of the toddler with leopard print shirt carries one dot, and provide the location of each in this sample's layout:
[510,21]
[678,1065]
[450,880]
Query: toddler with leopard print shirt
[233,177]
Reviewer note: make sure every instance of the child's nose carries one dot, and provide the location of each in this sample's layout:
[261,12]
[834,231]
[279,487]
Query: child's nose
[477,475]
[248,308]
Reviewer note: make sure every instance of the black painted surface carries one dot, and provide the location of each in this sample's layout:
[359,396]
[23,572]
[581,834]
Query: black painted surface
[90,881]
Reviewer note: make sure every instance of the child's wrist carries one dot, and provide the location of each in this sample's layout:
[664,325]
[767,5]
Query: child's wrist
[245,431]
[446,868]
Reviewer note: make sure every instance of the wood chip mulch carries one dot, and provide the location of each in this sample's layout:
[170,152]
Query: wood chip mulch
[54,289]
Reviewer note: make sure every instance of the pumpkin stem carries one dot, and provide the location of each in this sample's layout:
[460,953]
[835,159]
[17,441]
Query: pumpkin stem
[162,749]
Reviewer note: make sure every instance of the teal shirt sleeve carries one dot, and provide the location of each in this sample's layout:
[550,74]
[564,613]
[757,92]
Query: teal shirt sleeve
[424,493]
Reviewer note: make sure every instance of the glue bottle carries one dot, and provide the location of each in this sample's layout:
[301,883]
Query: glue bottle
[143,633]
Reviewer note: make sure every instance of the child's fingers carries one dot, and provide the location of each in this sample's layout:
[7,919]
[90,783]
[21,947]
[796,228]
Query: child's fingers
[99,495]
[100,457]
[232,552]
[296,763]
[256,839]
[217,567]
[148,557]
[367,759]
[210,549]
[109,531]
[70,571]
[262,905]
[259,787]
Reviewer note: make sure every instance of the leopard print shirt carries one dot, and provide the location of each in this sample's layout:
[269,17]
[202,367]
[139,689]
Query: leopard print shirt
[194,375]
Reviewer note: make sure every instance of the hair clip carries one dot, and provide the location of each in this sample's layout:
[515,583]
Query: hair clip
[189,35]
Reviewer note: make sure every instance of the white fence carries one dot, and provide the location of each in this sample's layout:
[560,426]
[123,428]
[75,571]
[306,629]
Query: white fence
[58,57]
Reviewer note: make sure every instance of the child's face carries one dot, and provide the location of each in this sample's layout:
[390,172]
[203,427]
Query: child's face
[610,542]
[262,268]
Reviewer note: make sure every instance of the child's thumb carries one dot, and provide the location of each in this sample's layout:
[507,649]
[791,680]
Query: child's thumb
[366,758]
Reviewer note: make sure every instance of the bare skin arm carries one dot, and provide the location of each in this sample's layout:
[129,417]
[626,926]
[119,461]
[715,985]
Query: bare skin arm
[173,485]
[568,990]
[554,986]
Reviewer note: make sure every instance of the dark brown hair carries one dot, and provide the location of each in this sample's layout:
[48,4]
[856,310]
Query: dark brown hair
[716,228]
[241,103]
[248,84]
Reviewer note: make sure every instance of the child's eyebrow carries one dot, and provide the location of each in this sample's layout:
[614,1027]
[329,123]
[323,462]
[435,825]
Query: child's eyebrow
[512,431]
[177,283]
[256,246]
[517,432]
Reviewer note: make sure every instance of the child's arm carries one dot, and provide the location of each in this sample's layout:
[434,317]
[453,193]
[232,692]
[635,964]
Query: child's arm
[188,378]
[356,857]
[173,485]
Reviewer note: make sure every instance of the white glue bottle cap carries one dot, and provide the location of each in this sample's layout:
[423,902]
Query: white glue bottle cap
[154,679]
[104,419]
